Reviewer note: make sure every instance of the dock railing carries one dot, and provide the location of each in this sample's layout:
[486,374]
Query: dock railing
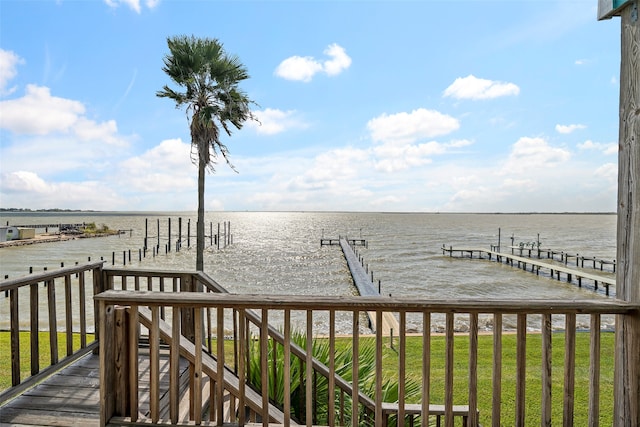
[56,306]
[242,321]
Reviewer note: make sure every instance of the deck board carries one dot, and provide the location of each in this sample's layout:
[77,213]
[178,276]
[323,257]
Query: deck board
[71,397]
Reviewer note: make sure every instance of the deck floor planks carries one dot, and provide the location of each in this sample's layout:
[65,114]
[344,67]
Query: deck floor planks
[71,397]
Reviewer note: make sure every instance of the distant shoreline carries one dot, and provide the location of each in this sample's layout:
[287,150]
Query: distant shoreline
[48,238]
[144,212]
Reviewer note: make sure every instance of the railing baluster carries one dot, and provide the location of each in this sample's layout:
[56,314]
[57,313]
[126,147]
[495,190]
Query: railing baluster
[209,331]
[174,366]
[197,377]
[53,324]
[355,343]
[154,362]
[34,330]
[68,315]
[546,370]
[378,391]
[264,377]
[332,368]
[594,371]
[242,378]
[402,358]
[426,366]
[220,362]
[473,369]
[287,368]
[309,369]
[15,337]
[82,302]
[162,290]
[448,367]
[521,369]
[496,377]
[569,368]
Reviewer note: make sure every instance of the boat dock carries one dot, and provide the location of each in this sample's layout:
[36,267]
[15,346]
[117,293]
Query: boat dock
[336,242]
[564,257]
[533,265]
[364,284]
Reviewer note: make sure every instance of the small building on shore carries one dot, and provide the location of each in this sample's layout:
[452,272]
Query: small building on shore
[8,233]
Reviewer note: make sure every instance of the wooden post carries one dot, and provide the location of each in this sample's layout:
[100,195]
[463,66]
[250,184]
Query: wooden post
[121,361]
[627,366]
[169,238]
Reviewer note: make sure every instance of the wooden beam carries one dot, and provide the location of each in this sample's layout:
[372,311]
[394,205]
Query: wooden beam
[627,366]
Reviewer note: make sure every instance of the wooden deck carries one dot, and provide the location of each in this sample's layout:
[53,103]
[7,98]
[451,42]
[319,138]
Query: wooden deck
[72,396]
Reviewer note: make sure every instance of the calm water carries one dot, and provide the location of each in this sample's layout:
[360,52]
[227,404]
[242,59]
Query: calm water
[280,253]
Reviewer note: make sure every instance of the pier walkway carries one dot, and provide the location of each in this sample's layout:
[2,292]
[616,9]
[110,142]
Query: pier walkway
[366,288]
[534,266]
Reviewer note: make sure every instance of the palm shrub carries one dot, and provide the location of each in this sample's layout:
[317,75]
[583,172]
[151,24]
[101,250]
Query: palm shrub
[343,368]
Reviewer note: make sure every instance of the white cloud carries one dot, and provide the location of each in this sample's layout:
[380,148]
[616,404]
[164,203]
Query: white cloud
[339,61]
[273,121]
[39,113]
[166,167]
[330,169]
[394,158]
[607,149]
[132,4]
[405,128]
[565,129]
[530,155]
[304,68]
[471,87]
[298,68]
[608,171]
[9,62]
[25,188]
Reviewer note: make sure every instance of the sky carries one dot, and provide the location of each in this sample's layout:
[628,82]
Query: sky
[393,106]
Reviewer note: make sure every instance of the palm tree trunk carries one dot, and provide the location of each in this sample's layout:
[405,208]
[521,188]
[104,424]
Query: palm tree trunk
[200,224]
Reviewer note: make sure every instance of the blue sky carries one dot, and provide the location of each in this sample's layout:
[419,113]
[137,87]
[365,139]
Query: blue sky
[427,106]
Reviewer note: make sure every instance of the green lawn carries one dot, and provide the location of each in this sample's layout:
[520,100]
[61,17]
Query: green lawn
[25,353]
[533,375]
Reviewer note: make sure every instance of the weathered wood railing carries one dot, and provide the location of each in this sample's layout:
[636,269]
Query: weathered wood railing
[225,382]
[79,284]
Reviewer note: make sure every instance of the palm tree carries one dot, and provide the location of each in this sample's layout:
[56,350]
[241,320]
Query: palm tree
[209,78]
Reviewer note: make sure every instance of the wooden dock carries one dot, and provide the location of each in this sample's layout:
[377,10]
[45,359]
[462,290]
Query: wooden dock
[565,257]
[365,287]
[336,242]
[533,265]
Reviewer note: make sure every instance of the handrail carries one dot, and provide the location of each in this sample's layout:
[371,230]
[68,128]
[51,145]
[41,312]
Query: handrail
[17,282]
[347,303]
[287,303]
[76,306]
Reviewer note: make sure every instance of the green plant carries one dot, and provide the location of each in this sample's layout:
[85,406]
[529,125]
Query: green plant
[343,368]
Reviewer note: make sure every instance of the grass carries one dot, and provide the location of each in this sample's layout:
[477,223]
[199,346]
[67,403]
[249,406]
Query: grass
[533,375]
[461,357]
[25,353]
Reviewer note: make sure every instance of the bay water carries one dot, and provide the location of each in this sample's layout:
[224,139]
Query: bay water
[280,252]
